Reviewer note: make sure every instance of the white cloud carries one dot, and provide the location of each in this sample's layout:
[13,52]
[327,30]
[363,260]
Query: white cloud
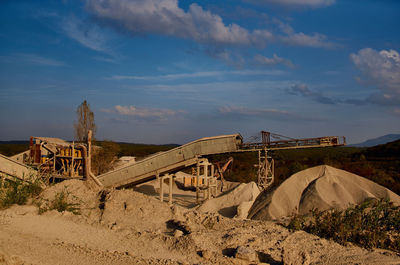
[197,75]
[295,3]
[87,34]
[315,41]
[262,60]
[291,37]
[380,68]
[165,17]
[143,113]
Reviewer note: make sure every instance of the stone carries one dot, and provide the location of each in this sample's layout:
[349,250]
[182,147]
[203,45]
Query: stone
[246,253]
[178,233]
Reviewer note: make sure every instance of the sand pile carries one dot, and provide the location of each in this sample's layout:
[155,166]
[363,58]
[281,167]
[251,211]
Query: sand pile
[116,209]
[76,192]
[321,187]
[134,210]
[228,203]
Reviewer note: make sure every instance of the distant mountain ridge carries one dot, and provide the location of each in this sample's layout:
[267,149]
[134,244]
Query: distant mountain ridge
[379,140]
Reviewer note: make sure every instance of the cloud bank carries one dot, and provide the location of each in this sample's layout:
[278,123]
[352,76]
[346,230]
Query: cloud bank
[141,113]
[165,17]
[380,69]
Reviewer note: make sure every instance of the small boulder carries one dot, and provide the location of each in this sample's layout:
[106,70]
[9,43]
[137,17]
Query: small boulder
[206,254]
[178,233]
[246,253]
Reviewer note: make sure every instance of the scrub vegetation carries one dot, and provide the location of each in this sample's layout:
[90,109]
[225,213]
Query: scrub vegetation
[18,192]
[372,224]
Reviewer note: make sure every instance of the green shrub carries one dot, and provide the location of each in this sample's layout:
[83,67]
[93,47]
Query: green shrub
[60,203]
[373,224]
[18,192]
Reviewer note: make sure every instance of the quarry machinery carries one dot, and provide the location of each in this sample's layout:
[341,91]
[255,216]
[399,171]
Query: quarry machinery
[53,156]
[71,160]
[166,163]
[265,172]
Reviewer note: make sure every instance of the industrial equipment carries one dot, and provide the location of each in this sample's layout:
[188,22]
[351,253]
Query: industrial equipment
[58,157]
[265,173]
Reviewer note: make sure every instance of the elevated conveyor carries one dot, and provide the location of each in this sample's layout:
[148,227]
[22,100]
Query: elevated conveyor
[170,161]
[10,168]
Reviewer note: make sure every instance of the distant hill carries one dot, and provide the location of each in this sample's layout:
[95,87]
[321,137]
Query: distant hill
[14,142]
[377,141]
[10,148]
[387,151]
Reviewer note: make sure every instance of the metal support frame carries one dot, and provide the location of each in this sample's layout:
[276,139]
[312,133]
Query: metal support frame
[265,174]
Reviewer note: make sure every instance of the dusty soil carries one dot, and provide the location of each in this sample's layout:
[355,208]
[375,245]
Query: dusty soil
[129,227]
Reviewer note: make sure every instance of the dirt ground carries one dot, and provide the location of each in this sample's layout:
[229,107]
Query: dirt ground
[129,227]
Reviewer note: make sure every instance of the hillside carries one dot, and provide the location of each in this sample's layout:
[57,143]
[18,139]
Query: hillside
[379,140]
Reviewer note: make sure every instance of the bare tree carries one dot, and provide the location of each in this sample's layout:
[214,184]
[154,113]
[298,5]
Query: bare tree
[85,122]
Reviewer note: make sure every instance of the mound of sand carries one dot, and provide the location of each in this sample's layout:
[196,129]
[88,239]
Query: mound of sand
[116,209]
[321,187]
[228,203]
[129,209]
[78,193]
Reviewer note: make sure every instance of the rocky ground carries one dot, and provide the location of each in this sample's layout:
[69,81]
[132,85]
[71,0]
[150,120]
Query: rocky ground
[129,227]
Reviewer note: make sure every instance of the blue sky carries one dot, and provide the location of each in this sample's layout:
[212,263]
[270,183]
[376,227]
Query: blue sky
[168,71]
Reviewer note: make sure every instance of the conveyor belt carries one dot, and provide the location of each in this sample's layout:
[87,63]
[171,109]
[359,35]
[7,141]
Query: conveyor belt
[170,161]
[11,168]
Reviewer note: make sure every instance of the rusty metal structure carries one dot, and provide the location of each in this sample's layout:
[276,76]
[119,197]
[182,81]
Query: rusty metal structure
[265,173]
[57,157]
